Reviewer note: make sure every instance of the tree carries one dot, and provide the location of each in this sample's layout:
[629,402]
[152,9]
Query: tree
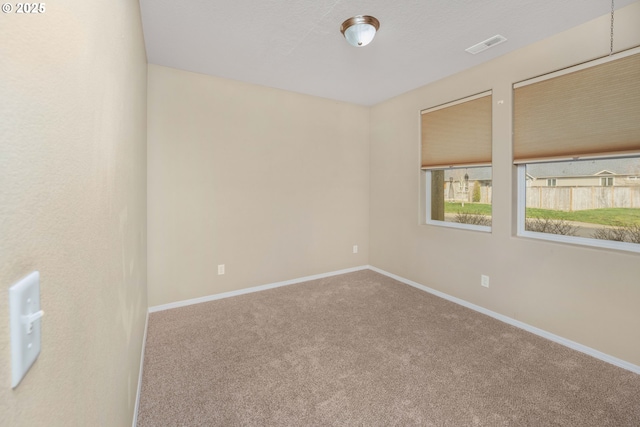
[476,192]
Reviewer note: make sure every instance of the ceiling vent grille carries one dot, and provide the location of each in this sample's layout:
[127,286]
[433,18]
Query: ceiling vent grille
[490,42]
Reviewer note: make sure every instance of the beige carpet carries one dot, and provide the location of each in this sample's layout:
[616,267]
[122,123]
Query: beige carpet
[364,350]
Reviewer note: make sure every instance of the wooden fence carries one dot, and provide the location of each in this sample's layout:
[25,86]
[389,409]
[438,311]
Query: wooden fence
[454,194]
[582,198]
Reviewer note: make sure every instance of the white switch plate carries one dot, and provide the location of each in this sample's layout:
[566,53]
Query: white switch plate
[220,269]
[25,314]
[355,249]
[484,280]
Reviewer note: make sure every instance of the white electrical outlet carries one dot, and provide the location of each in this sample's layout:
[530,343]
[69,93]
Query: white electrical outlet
[484,280]
[221,269]
[355,249]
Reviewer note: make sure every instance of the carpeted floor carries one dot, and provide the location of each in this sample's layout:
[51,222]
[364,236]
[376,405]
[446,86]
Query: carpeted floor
[365,350]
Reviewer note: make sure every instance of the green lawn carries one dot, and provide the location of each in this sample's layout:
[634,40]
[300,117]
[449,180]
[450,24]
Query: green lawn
[472,208]
[613,216]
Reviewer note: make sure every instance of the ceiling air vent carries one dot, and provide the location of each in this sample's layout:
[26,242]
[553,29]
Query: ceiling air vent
[490,42]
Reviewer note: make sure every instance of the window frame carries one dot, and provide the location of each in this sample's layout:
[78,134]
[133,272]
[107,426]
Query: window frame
[606,181]
[589,151]
[451,164]
[558,238]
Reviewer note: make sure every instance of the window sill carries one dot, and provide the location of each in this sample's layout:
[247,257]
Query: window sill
[459,225]
[582,241]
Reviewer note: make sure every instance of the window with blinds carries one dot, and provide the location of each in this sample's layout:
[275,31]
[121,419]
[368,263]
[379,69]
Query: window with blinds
[580,129]
[457,133]
[456,156]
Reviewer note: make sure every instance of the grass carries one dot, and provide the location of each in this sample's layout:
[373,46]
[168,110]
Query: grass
[471,208]
[611,216]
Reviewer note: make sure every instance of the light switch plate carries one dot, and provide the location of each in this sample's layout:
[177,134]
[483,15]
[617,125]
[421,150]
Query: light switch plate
[25,314]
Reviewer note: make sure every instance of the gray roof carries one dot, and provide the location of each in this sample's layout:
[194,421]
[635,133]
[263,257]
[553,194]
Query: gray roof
[475,174]
[584,168]
[556,169]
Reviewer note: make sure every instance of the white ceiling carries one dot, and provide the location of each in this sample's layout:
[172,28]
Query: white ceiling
[296,45]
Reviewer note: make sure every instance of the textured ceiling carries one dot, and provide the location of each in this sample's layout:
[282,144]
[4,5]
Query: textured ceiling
[296,45]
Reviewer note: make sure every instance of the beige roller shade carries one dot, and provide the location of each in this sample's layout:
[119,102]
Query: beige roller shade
[458,133]
[590,112]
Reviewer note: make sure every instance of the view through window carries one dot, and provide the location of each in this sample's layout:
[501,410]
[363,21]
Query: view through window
[596,199]
[462,195]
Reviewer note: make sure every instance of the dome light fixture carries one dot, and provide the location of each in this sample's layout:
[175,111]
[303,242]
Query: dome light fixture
[360,30]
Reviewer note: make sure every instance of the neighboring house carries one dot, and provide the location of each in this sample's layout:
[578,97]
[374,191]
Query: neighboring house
[585,184]
[585,173]
[459,184]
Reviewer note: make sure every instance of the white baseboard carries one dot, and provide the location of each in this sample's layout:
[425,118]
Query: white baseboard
[251,290]
[144,343]
[544,334]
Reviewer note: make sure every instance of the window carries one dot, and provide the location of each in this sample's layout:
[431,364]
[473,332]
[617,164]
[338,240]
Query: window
[584,209]
[456,162]
[465,197]
[606,181]
[598,134]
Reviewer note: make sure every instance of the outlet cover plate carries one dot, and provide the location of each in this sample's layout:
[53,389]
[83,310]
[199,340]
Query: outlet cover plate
[484,281]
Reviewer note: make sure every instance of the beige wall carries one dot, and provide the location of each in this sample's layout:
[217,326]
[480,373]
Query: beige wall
[586,295]
[72,205]
[273,184]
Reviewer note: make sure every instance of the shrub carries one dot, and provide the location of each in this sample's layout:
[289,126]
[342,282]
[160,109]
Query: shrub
[617,234]
[477,195]
[551,226]
[633,233]
[621,233]
[473,218]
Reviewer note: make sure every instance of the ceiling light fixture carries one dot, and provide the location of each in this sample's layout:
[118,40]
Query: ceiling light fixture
[360,30]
